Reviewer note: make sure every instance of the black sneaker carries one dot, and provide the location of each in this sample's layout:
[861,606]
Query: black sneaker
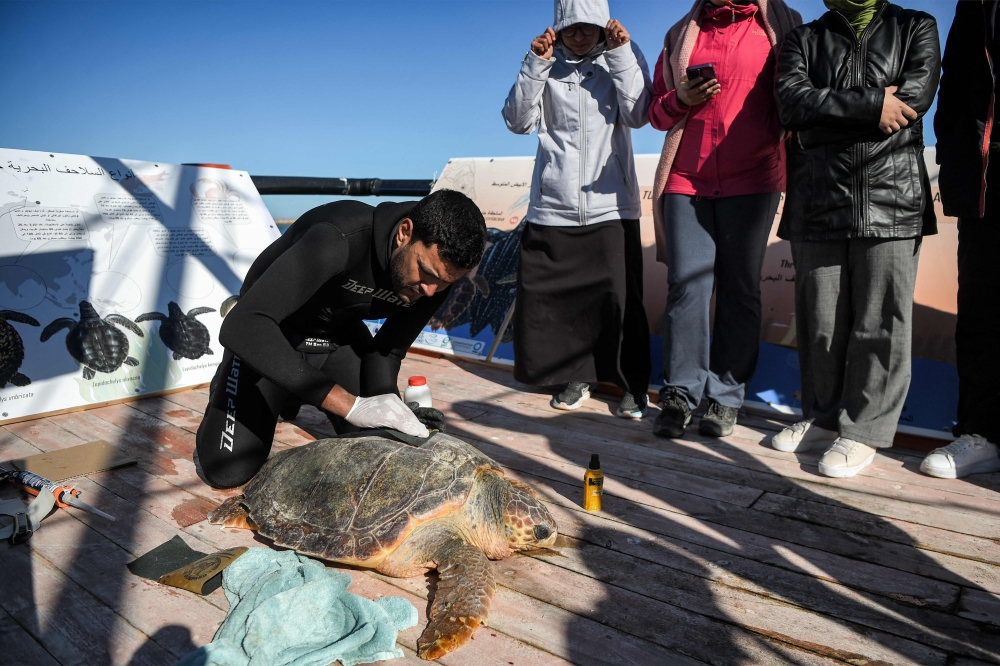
[630,408]
[572,396]
[674,414]
[718,420]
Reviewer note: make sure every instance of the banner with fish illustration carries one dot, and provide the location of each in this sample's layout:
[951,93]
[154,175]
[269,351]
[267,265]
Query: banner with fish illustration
[475,312]
[114,274]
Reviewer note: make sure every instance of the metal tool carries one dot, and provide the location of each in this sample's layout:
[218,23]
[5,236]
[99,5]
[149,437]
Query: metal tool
[64,495]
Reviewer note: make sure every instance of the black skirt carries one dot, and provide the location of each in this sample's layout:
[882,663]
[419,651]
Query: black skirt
[579,315]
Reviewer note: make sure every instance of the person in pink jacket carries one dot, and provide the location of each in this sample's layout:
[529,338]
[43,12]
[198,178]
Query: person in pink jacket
[716,193]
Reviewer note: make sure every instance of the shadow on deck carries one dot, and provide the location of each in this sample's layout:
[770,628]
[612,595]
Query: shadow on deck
[720,551]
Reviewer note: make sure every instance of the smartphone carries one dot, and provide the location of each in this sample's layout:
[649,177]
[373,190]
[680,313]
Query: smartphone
[706,71]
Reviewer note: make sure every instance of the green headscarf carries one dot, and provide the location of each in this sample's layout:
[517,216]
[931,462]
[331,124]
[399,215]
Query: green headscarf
[859,13]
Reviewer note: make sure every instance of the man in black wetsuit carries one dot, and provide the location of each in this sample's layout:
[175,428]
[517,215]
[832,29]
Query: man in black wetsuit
[297,331]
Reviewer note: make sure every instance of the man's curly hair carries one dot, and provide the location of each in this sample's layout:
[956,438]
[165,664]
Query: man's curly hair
[454,223]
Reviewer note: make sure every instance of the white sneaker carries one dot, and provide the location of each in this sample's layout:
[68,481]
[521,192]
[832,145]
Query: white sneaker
[969,454]
[845,458]
[803,436]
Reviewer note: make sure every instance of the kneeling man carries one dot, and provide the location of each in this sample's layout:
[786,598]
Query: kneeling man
[297,331]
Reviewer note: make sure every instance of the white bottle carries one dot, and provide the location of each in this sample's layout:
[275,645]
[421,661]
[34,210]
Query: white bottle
[418,391]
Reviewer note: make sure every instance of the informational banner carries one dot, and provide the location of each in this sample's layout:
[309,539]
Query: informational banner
[474,314]
[112,275]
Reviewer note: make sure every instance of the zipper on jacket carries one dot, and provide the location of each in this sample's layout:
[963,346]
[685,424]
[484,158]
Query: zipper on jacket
[583,149]
[859,177]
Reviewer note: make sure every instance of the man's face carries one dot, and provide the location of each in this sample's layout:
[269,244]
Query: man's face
[417,269]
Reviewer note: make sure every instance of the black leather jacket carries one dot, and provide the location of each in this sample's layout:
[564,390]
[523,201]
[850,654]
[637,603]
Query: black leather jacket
[847,179]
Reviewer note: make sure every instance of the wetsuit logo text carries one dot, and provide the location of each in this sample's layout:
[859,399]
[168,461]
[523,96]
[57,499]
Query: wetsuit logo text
[386,295]
[232,382]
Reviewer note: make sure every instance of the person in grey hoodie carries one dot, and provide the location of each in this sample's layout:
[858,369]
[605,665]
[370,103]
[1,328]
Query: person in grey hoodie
[579,315]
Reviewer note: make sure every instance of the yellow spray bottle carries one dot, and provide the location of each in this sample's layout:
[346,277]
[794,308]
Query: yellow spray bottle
[593,484]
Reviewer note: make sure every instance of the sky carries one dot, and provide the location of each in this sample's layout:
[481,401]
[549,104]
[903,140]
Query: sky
[340,89]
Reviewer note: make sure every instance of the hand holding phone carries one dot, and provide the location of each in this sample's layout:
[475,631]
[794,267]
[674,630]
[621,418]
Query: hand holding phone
[698,86]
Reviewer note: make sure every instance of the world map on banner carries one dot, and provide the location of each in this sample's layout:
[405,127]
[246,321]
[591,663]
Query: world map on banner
[112,273]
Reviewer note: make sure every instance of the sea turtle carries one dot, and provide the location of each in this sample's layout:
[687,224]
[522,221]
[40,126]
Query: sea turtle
[402,510]
[12,348]
[184,335]
[483,297]
[94,342]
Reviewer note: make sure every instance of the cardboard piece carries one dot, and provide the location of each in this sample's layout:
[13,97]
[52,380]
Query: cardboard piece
[75,461]
[194,576]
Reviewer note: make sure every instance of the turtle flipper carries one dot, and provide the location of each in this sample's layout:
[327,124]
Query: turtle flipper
[177,356]
[462,601]
[149,316]
[228,305]
[88,373]
[125,322]
[56,326]
[232,513]
[131,361]
[209,352]
[19,380]
[194,312]
[13,315]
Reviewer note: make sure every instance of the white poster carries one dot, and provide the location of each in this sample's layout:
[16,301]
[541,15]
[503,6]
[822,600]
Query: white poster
[113,273]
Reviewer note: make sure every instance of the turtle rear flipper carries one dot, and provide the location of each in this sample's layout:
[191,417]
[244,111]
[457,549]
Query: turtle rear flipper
[88,373]
[177,356]
[194,312]
[461,602]
[56,326]
[125,322]
[131,361]
[150,316]
[19,380]
[232,513]
[13,315]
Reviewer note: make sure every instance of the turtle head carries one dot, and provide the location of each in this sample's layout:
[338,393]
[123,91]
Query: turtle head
[174,310]
[527,523]
[87,311]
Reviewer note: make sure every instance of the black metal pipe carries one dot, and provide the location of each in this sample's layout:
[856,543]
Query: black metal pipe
[353,187]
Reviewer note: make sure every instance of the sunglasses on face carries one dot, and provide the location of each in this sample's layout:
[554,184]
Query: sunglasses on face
[583,29]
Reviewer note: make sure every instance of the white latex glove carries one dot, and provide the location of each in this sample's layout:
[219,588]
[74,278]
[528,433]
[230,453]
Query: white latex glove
[386,411]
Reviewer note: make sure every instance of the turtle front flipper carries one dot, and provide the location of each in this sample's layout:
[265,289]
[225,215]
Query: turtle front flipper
[462,601]
[56,326]
[194,312]
[20,317]
[125,322]
[150,316]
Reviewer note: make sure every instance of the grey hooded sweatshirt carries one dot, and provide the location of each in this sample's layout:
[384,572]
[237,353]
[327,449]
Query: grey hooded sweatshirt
[582,107]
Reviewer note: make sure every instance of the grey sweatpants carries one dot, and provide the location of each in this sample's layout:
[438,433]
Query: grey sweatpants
[853,315]
[714,244]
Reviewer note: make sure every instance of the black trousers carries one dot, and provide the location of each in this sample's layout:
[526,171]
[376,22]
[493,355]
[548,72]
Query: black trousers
[579,315]
[977,334]
[235,436]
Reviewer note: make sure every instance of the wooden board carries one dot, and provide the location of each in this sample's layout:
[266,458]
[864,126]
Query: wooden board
[719,551]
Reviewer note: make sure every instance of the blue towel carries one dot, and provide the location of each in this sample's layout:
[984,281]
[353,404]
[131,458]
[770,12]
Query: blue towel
[288,610]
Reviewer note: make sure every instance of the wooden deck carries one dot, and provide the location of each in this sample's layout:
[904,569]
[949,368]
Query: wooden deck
[708,551]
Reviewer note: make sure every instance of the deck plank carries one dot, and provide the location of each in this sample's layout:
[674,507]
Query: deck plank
[708,550]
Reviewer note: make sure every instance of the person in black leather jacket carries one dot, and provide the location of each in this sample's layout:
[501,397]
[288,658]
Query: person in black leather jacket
[852,87]
[968,151]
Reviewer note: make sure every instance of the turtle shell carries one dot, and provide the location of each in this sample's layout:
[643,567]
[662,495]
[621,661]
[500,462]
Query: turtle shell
[353,500]
[11,352]
[97,344]
[185,335]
